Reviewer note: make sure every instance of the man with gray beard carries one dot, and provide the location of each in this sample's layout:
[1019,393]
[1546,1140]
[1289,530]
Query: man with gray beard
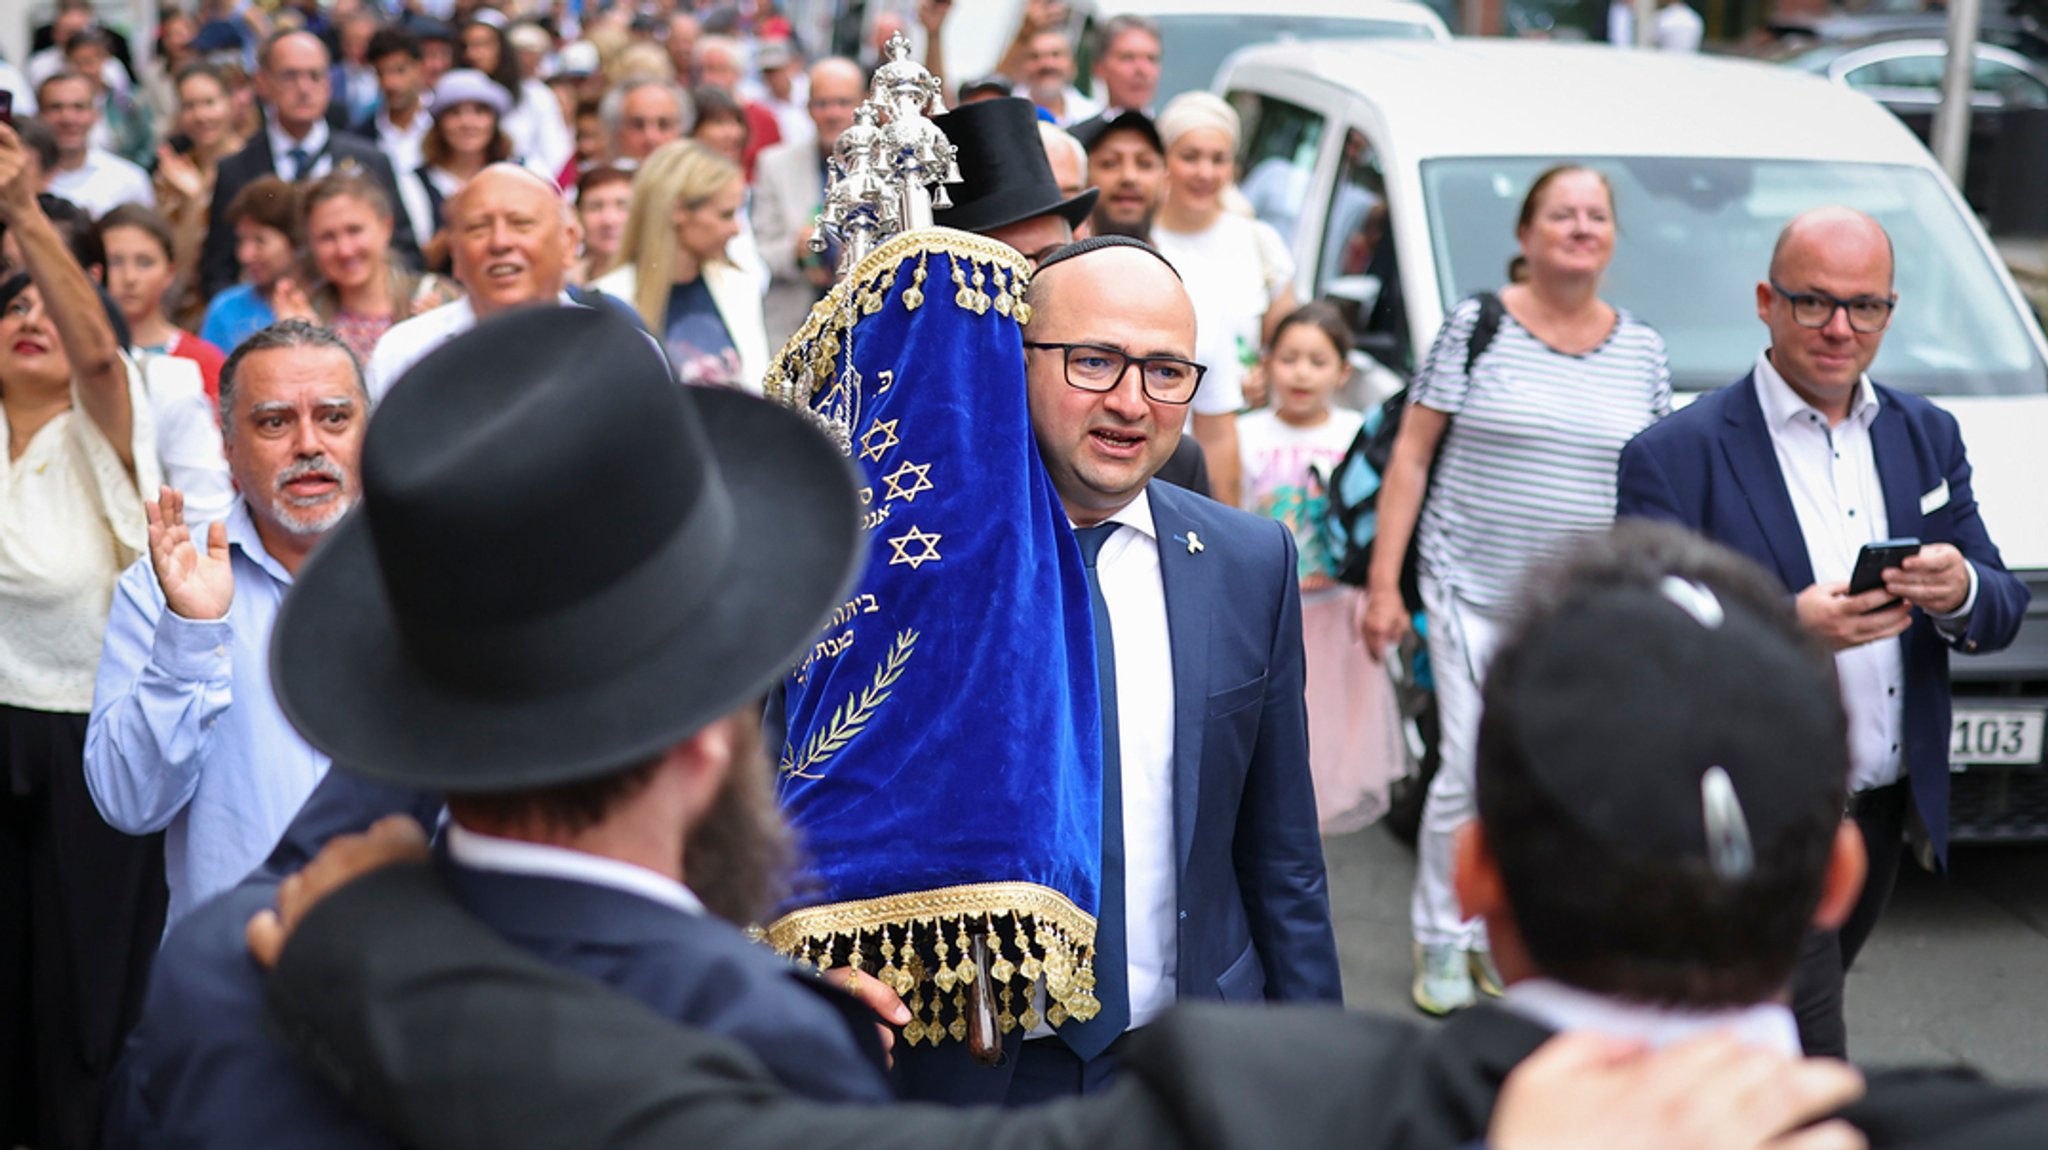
[185,735]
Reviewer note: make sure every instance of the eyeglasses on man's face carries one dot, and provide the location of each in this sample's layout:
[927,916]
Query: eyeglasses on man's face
[1816,309]
[1093,367]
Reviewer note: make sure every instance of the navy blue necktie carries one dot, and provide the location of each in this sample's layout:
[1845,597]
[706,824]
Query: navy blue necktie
[1112,973]
[301,160]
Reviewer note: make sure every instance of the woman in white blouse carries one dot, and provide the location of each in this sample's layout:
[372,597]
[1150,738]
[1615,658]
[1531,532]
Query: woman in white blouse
[80,456]
[1237,270]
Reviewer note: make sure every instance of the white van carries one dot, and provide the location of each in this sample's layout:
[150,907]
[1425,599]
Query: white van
[1395,169]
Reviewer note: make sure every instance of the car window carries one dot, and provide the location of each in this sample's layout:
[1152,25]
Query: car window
[1696,236]
[1277,158]
[1921,71]
[1355,268]
[2014,87]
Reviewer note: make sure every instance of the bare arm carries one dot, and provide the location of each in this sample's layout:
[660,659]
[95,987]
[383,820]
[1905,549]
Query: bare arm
[1218,436]
[70,301]
[932,15]
[1400,505]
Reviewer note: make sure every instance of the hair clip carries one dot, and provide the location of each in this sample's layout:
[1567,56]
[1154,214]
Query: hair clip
[1693,599]
[1728,846]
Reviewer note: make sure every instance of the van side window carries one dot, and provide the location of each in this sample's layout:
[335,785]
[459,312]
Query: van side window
[1278,158]
[1356,268]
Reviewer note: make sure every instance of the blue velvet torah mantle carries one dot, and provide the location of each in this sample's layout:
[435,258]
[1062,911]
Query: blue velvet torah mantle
[943,757]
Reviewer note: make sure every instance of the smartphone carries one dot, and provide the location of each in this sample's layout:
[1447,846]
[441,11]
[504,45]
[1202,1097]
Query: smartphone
[1875,559]
[6,107]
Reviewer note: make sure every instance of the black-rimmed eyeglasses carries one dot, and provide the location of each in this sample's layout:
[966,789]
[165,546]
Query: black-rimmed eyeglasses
[1816,309]
[1093,367]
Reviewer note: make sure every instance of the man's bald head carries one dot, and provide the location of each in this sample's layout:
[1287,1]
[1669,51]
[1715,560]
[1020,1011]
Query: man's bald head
[1102,447]
[513,238]
[1826,261]
[837,86]
[1834,229]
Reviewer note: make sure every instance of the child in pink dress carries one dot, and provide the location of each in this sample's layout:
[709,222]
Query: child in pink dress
[1288,450]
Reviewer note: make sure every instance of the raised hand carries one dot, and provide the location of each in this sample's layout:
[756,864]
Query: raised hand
[179,172]
[198,584]
[288,300]
[17,193]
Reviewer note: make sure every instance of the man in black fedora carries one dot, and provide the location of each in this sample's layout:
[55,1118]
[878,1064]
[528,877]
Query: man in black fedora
[582,689]
[1008,193]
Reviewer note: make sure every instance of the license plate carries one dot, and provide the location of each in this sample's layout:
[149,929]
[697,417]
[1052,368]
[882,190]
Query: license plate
[2009,738]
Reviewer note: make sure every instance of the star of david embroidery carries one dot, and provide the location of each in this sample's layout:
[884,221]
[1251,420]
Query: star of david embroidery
[927,541]
[880,437]
[906,481]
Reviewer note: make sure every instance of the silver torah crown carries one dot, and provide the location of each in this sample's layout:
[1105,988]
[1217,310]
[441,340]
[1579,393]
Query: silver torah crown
[890,168]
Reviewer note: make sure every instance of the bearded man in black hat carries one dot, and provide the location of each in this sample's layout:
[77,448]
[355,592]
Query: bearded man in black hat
[586,699]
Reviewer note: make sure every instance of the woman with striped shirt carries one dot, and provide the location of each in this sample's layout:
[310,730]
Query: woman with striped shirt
[1525,450]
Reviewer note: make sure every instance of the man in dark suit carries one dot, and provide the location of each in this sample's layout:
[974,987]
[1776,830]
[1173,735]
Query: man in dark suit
[626,852]
[296,144]
[1213,871]
[1799,465]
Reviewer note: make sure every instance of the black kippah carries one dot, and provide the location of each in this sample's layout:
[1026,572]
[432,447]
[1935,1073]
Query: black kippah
[1080,248]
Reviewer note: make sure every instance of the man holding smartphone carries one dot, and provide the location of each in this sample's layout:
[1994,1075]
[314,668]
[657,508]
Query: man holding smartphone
[1802,465]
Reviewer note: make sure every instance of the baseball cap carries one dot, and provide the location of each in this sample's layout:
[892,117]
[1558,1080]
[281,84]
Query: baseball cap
[1096,129]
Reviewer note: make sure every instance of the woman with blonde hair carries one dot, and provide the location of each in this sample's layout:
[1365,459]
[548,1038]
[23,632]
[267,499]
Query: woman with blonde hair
[674,270]
[361,291]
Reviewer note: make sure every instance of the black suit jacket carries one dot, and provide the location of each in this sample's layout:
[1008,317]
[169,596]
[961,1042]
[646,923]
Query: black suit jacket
[218,268]
[1457,1073]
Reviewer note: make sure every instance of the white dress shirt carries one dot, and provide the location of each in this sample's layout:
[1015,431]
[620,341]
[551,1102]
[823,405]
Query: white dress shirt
[315,146]
[402,145]
[1128,572]
[102,183]
[1566,1009]
[1831,474]
[484,852]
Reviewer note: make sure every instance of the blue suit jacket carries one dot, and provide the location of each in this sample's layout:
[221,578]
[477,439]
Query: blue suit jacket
[1254,905]
[202,1069]
[1711,467]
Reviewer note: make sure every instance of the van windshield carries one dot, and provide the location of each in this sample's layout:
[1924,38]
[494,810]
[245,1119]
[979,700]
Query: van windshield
[1195,46]
[1696,236]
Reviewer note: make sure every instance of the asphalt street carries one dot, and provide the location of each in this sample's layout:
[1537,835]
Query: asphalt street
[1956,973]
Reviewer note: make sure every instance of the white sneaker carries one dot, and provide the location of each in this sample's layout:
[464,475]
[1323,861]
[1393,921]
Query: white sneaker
[1443,980]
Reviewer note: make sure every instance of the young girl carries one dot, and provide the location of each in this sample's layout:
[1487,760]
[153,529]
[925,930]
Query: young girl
[180,371]
[1288,450]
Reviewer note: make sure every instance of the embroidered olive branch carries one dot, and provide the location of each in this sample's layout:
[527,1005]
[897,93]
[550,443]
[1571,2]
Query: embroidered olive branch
[854,713]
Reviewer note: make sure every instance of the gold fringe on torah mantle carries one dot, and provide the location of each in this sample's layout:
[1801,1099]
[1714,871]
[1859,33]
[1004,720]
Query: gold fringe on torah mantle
[918,944]
[973,273]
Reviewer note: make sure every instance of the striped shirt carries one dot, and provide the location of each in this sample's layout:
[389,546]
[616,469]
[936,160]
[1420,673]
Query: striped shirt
[1528,462]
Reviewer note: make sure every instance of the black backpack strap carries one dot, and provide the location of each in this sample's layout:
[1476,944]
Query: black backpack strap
[1491,312]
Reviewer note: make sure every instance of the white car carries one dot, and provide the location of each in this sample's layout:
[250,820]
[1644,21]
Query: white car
[1395,169]
[1199,35]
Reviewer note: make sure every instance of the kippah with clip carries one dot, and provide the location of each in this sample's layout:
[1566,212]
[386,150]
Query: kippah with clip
[1672,721]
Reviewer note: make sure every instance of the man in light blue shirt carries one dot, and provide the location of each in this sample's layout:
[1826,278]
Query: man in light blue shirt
[185,734]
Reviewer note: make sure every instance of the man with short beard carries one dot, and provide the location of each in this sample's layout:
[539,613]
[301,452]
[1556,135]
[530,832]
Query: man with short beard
[185,735]
[585,697]
[1127,160]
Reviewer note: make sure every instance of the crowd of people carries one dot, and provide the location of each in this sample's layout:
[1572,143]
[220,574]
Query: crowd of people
[214,267]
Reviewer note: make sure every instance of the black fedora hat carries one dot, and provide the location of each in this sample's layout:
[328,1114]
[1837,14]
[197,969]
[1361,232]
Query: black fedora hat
[1005,177]
[562,563]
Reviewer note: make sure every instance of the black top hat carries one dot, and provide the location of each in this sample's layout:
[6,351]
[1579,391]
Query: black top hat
[1005,177]
[562,563]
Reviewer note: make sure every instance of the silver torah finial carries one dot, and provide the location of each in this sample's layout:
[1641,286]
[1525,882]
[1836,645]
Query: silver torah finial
[888,170]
